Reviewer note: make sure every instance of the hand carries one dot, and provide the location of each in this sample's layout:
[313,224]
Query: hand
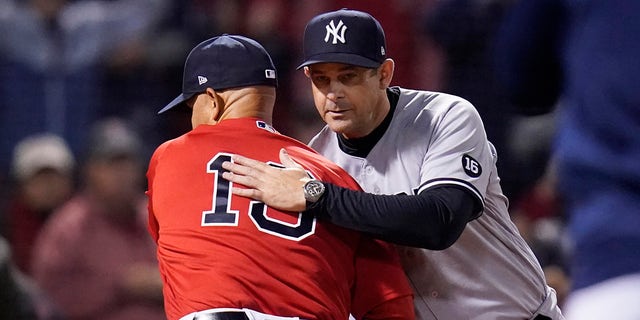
[279,188]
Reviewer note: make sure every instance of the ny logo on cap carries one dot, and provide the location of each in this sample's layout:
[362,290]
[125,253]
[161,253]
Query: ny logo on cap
[202,80]
[333,30]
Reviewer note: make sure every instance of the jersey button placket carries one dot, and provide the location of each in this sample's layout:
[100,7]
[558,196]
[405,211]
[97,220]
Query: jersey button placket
[368,170]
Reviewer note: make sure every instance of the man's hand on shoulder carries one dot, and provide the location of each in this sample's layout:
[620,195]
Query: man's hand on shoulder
[279,188]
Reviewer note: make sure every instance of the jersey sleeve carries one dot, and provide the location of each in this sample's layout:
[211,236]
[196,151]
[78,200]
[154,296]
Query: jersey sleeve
[153,226]
[459,153]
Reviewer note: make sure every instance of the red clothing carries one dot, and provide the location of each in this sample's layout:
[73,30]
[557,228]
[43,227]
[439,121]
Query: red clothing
[82,256]
[219,250]
[24,225]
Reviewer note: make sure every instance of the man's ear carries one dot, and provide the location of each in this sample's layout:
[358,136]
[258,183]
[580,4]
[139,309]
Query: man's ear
[217,103]
[211,93]
[307,72]
[386,73]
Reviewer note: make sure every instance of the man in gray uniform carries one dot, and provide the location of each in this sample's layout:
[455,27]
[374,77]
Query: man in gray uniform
[428,168]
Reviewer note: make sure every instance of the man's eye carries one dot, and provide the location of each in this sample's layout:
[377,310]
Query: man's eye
[348,78]
[320,80]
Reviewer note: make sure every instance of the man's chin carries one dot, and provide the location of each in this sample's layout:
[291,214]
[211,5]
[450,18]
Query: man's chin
[342,126]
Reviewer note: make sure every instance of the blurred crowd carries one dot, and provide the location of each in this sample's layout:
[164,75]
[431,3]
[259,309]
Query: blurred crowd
[81,82]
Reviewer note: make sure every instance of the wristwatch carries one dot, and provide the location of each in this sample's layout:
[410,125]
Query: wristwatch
[313,190]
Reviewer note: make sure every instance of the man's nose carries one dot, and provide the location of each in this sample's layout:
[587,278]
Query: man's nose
[335,89]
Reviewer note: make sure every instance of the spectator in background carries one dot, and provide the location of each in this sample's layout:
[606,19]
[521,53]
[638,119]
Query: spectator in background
[94,257]
[464,31]
[43,172]
[20,299]
[15,302]
[52,59]
[581,58]
[539,217]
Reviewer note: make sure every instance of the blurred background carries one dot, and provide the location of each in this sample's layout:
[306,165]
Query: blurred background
[66,67]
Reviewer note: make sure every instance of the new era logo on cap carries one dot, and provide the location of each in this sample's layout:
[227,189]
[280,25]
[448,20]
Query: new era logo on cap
[344,36]
[270,74]
[202,80]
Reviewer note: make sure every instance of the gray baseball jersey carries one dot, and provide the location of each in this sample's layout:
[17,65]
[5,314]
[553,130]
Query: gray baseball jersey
[437,139]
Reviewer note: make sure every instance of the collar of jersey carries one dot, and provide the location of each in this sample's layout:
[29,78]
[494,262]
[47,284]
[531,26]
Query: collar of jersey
[249,122]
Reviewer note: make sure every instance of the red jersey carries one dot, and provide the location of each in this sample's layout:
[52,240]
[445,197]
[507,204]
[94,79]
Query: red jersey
[219,250]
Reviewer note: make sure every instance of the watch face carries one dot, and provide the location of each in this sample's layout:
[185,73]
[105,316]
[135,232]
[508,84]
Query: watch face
[313,190]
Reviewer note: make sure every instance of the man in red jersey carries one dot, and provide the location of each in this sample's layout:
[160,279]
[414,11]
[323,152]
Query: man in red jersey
[226,257]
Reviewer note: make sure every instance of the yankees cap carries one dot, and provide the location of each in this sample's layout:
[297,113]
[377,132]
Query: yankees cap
[344,36]
[224,62]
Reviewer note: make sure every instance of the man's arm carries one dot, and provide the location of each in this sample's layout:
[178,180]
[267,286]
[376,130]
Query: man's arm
[434,219]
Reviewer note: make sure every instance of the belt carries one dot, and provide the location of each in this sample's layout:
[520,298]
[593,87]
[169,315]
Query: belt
[541,317]
[221,315]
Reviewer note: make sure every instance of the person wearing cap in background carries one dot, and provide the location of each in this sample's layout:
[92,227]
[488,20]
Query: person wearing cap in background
[43,178]
[94,257]
[225,257]
[430,175]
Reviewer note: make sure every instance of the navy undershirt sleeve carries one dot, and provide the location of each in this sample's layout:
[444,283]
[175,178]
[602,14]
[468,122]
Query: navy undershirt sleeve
[433,219]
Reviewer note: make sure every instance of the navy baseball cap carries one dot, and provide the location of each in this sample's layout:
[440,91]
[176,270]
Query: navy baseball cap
[223,62]
[344,36]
